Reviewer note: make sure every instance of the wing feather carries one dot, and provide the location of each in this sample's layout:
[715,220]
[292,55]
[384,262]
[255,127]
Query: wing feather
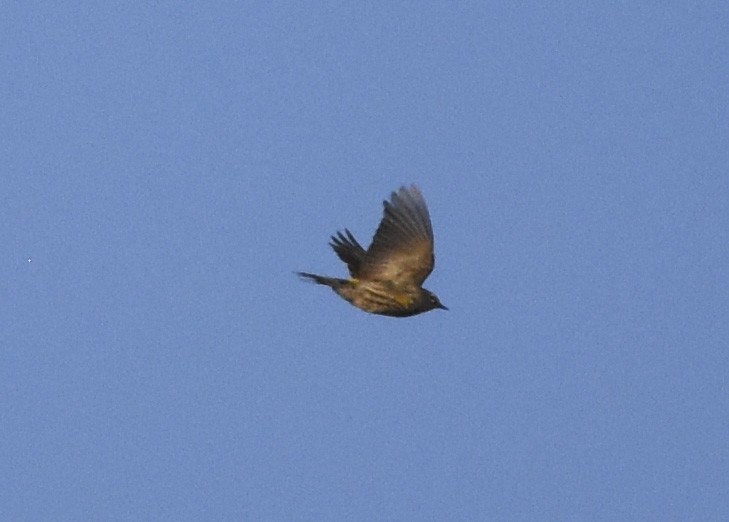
[402,248]
[349,250]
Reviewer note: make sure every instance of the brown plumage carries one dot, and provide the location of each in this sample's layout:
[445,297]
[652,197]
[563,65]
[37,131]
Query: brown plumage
[387,278]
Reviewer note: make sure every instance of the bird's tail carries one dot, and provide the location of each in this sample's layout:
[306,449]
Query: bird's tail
[329,281]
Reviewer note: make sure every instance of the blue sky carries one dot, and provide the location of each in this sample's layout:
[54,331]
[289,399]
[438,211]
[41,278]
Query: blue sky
[166,168]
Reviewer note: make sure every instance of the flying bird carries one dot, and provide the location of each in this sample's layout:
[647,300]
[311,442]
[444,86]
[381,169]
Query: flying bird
[387,278]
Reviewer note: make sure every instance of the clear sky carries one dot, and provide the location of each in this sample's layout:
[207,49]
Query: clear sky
[166,167]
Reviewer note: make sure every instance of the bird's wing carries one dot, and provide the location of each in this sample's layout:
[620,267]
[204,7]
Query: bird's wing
[349,251]
[402,249]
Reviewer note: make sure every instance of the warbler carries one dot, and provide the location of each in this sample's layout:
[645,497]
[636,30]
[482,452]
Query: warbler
[387,278]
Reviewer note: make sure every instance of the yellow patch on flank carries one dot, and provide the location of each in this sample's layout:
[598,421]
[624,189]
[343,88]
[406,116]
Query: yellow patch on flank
[402,299]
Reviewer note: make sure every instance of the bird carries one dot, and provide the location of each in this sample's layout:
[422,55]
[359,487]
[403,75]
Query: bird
[387,278]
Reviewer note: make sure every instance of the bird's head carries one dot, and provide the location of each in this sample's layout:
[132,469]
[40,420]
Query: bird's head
[430,301]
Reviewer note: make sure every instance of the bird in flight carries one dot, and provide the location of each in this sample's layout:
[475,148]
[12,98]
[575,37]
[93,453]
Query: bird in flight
[387,278]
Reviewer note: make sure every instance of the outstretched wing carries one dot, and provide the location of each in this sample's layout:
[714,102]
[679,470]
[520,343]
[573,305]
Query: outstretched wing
[402,249]
[349,251]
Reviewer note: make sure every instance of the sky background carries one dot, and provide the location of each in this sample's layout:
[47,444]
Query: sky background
[167,167]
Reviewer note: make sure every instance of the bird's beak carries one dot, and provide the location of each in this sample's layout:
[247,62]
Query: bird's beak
[442,306]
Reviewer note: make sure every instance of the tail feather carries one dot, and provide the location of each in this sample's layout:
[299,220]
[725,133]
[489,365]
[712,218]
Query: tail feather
[322,280]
